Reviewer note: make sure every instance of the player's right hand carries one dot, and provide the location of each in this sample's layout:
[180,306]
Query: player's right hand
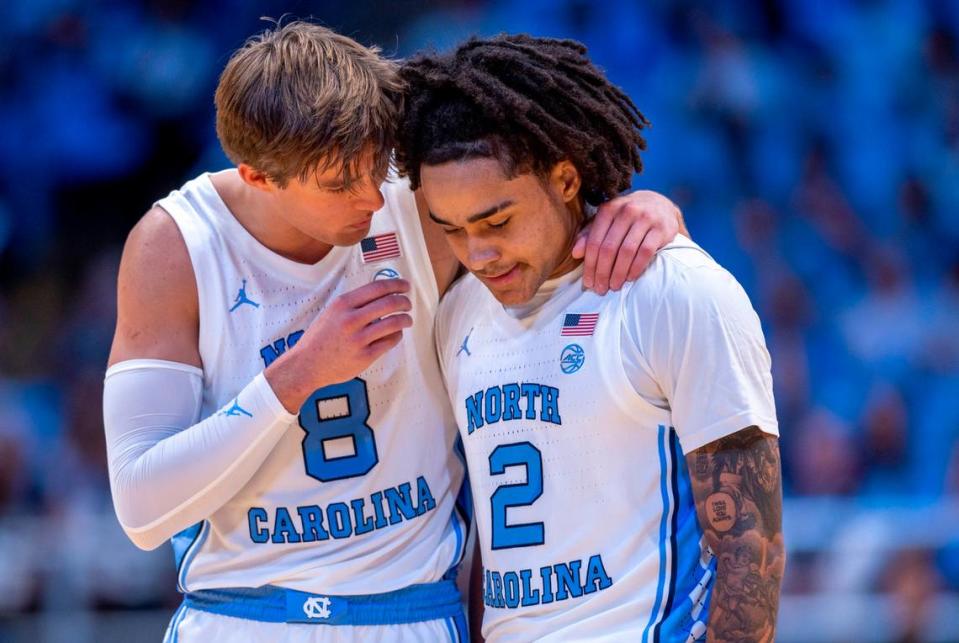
[350,334]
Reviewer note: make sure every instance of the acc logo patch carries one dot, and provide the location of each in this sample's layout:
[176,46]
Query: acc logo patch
[386,273]
[572,358]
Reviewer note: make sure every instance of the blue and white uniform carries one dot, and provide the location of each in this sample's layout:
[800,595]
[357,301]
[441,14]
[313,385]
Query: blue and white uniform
[350,520]
[575,412]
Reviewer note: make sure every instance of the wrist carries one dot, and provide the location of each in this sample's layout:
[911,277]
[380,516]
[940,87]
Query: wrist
[291,383]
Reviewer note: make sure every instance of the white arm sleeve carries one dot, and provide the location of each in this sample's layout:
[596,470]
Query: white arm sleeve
[692,339]
[167,469]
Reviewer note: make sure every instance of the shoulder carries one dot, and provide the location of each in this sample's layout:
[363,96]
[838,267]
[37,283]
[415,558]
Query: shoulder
[157,306]
[155,252]
[458,306]
[453,304]
[684,281]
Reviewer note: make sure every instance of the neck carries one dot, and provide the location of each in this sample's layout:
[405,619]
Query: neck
[255,210]
[568,263]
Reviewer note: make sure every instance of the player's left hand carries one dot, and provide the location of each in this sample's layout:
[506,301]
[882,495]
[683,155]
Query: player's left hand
[620,241]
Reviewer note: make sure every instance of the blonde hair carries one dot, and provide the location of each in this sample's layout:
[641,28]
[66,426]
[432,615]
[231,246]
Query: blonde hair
[300,98]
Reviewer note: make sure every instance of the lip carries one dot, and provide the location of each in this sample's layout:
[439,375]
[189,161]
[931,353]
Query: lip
[362,225]
[502,278]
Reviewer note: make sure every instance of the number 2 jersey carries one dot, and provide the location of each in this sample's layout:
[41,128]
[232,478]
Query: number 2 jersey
[576,411]
[358,495]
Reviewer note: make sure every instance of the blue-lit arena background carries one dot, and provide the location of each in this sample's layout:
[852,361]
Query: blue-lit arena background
[813,146]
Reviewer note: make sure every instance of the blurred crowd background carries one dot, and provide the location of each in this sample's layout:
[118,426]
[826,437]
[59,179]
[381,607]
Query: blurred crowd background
[813,146]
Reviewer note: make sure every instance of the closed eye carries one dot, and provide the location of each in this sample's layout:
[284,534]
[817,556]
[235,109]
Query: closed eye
[501,224]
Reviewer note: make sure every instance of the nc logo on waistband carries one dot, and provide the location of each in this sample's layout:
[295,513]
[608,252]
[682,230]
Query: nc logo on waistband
[317,607]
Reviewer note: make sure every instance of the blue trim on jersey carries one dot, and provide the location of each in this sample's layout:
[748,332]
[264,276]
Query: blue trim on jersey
[462,508]
[692,578]
[186,544]
[464,499]
[673,529]
[181,543]
[664,468]
[413,604]
[172,633]
[460,549]
[458,631]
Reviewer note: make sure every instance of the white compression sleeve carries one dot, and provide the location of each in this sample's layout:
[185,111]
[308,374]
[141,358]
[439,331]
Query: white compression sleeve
[168,470]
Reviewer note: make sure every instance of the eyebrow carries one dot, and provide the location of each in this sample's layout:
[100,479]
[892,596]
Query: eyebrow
[479,216]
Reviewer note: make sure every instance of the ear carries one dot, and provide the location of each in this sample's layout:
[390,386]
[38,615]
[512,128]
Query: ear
[565,179]
[256,178]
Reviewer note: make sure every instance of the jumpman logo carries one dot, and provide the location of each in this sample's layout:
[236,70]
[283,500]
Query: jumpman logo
[463,346]
[236,409]
[241,298]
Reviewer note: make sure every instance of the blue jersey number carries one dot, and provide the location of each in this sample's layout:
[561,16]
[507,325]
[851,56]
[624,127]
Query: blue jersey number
[506,536]
[338,412]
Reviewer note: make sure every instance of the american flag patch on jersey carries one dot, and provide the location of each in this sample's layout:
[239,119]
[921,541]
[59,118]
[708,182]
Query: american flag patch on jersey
[382,246]
[579,324]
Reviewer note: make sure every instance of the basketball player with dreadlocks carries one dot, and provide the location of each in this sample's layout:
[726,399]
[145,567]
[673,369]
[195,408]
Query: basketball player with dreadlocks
[623,450]
[273,404]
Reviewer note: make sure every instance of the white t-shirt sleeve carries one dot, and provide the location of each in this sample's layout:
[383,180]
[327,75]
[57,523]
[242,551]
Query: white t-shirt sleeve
[692,340]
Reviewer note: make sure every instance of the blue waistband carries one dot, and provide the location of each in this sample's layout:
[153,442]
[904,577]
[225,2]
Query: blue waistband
[411,604]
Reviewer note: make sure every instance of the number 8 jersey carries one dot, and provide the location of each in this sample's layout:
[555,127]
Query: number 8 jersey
[358,495]
[575,412]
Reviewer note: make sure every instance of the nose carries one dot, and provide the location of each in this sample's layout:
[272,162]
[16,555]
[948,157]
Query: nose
[480,253]
[367,195]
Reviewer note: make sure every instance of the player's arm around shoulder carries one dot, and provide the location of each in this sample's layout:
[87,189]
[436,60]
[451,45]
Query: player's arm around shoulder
[157,305]
[737,486]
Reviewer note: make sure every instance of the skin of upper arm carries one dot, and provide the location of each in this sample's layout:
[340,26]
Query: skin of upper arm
[157,303]
[446,267]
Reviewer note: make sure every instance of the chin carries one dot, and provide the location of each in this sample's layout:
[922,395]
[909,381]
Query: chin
[351,237]
[512,297]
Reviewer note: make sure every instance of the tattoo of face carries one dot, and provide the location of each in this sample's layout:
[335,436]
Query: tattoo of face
[763,467]
[701,470]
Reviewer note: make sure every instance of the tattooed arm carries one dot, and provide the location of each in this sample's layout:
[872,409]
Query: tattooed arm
[738,491]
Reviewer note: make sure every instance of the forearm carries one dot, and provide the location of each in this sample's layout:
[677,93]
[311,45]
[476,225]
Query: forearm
[738,491]
[166,473]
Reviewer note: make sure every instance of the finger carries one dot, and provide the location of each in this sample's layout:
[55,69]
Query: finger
[608,250]
[374,290]
[628,250]
[383,345]
[579,248]
[644,256]
[597,232]
[383,327]
[381,307]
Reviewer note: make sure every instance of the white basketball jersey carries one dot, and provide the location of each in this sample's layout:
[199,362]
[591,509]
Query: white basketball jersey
[358,496]
[584,508]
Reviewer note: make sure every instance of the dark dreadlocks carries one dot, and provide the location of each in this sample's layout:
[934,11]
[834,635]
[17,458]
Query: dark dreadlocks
[530,103]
